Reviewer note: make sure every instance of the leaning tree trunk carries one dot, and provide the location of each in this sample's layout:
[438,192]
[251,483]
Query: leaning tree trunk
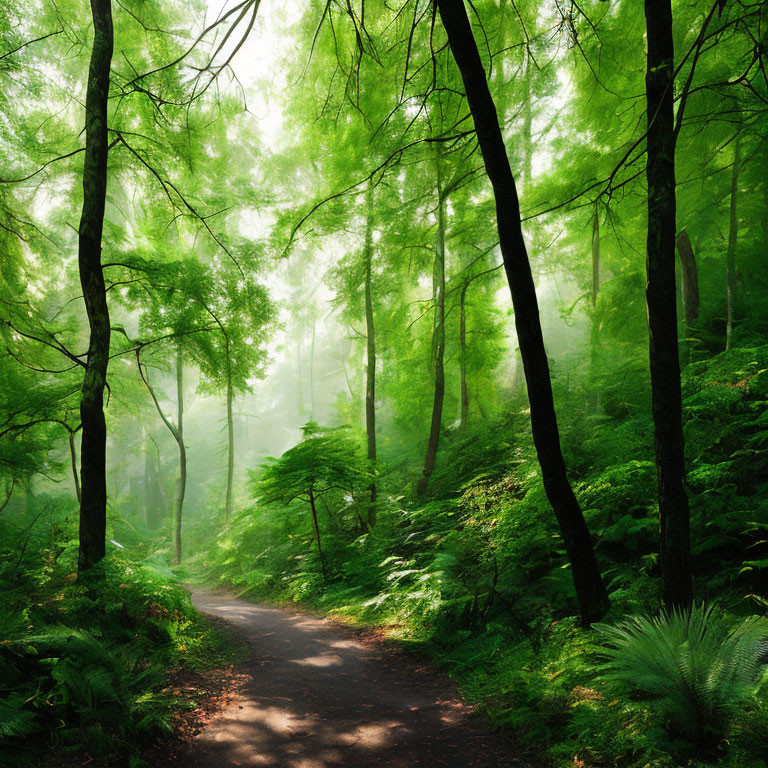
[661,298]
[590,590]
[73,462]
[733,236]
[316,529]
[438,341]
[93,459]
[689,280]
[370,340]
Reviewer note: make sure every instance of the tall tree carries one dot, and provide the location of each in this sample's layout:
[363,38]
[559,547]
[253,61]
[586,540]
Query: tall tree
[661,299]
[590,590]
[733,237]
[93,469]
[177,431]
[370,345]
[438,335]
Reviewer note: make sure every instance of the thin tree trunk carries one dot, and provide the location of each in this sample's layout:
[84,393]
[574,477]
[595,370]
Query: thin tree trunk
[661,298]
[316,527]
[177,430]
[370,337]
[438,340]
[590,590]
[93,460]
[179,435]
[230,442]
[733,235]
[594,332]
[73,460]
[463,355]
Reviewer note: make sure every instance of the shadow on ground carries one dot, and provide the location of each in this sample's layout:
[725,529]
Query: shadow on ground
[313,697]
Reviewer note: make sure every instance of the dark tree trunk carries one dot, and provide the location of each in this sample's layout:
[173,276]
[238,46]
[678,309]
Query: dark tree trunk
[463,354]
[370,340]
[316,528]
[590,590]
[93,469]
[438,341]
[73,461]
[661,297]
[733,237]
[230,441]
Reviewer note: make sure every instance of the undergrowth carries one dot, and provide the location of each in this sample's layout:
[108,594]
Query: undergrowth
[85,663]
[475,575]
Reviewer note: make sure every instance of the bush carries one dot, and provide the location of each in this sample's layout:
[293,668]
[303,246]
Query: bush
[697,668]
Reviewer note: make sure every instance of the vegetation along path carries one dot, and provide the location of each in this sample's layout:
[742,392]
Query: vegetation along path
[315,697]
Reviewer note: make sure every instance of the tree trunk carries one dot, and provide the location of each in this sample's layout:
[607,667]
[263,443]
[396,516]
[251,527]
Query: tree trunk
[733,235]
[178,433]
[689,279]
[316,528]
[438,340]
[463,355]
[230,442]
[93,469]
[590,590]
[73,460]
[594,331]
[370,337]
[154,511]
[661,298]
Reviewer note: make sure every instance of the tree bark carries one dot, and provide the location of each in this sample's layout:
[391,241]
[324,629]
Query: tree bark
[438,341]
[590,590]
[733,236]
[370,340]
[73,461]
[661,298]
[93,469]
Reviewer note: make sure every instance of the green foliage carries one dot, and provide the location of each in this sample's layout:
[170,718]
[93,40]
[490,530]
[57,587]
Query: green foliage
[85,663]
[698,669]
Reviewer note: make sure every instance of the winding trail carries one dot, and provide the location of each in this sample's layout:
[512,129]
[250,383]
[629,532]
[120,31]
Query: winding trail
[313,696]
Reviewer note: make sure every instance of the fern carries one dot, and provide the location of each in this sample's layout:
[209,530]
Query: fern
[698,669]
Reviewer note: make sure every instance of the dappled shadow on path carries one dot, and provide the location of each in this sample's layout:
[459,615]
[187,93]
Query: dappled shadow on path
[315,698]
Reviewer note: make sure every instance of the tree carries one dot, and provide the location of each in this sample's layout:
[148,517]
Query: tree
[661,298]
[93,468]
[325,460]
[590,590]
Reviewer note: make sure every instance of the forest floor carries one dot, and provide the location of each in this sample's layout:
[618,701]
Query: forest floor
[311,694]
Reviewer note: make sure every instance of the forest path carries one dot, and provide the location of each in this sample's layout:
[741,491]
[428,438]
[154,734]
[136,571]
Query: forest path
[314,696]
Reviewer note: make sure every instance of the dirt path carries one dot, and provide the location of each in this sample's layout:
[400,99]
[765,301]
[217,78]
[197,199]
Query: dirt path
[313,696]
